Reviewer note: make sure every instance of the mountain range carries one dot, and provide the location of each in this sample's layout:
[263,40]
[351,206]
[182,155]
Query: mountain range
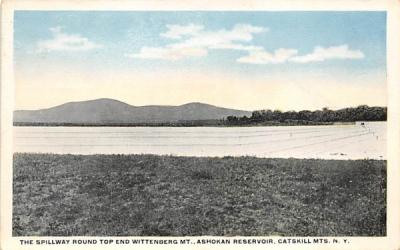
[110,111]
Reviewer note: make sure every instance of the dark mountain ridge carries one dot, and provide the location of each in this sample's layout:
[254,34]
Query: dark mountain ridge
[110,111]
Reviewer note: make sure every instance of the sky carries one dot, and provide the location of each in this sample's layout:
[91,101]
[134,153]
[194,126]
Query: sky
[245,60]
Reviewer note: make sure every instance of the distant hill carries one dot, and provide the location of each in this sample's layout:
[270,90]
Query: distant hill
[109,111]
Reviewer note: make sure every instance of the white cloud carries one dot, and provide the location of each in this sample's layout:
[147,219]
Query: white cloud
[65,42]
[194,41]
[222,39]
[169,53]
[179,31]
[321,54]
[264,57]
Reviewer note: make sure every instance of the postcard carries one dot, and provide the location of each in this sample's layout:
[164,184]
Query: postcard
[163,124]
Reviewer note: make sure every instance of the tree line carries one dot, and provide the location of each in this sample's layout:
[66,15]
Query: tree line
[324,116]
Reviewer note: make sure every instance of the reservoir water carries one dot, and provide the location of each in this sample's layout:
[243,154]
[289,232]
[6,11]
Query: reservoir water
[327,142]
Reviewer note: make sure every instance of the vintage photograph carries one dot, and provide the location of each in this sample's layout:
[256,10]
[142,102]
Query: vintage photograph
[199,123]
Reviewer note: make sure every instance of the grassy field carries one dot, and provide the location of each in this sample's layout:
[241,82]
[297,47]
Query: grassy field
[149,195]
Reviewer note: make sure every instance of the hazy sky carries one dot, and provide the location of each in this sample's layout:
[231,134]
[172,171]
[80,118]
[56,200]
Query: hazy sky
[244,60]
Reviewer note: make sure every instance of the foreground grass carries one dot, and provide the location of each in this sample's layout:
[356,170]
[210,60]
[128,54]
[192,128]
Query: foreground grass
[165,195]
